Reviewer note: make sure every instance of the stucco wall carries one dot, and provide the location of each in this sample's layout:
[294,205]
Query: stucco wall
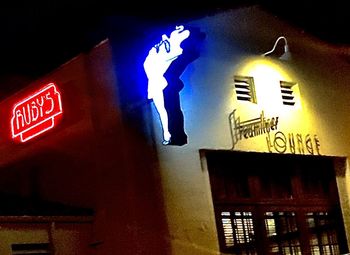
[91,159]
[233,45]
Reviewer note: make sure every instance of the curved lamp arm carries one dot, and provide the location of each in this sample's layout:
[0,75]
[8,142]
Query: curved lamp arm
[286,49]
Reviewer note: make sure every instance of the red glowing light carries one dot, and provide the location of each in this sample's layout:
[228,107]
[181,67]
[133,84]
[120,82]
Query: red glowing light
[36,114]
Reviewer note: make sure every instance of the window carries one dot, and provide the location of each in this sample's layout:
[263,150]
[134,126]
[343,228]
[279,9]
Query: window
[31,248]
[323,238]
[282,204]
[288,90]
[282,232]
[238,231]
[245,89]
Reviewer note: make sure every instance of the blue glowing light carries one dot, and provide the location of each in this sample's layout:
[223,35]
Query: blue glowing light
[157,62]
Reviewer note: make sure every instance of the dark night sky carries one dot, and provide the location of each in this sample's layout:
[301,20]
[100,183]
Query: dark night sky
[36,40]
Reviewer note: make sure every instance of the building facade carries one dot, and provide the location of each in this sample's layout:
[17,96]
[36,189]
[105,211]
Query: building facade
[217,144]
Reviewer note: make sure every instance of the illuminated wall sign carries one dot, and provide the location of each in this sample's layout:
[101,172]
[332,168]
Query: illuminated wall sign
[156,64]
[36,114]
[295,143]
[251,128]
[164,64]
[277,141]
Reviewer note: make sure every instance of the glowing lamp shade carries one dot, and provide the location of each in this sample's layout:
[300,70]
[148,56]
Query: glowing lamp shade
[36,113]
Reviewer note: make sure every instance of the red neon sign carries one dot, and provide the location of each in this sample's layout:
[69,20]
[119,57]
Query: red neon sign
[36,114]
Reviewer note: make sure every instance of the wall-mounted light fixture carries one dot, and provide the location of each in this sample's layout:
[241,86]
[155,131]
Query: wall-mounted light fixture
[286,55]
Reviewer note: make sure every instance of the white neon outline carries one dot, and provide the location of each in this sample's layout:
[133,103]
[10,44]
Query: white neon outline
[47,87]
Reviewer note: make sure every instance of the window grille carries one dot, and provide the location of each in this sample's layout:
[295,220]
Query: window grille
[245,89]
[323,238]
[238,231]
[282,233]
[305,219]
[287,93]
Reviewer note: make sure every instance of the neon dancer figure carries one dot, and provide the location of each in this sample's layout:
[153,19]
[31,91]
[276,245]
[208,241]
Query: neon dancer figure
[156,64]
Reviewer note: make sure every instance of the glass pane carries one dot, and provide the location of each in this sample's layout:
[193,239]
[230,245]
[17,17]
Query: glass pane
[282,233]
[239,232]
[323,238]
[227,228]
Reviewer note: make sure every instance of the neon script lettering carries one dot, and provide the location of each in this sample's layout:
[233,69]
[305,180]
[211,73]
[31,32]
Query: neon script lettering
[36,114]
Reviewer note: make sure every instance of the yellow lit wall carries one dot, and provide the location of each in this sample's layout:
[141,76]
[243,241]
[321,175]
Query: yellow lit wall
[234,43]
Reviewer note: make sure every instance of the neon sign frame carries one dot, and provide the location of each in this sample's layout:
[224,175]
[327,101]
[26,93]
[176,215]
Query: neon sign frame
[36,113]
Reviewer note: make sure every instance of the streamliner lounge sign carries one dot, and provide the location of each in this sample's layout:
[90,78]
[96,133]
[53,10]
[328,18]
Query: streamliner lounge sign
[277,141]
[36,113]
[251,128]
